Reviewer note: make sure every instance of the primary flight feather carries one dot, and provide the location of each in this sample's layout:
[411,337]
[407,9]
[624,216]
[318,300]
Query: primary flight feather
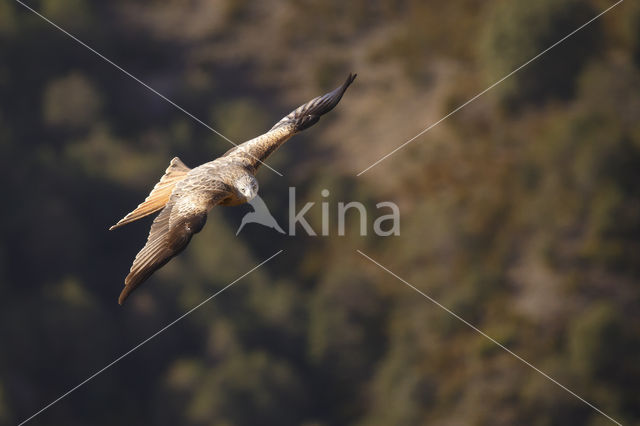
[185,195]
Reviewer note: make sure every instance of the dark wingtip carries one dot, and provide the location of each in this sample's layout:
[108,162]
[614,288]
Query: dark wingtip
[323,104]
[340,90]
[352,76]
[308,114]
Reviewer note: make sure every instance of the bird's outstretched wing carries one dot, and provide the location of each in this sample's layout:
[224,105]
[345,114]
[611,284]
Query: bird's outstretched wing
[160,193]
[170,233]
[258,149]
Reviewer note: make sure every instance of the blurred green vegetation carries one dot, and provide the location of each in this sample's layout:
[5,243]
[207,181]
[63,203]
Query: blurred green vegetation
[521,213]
[518,30]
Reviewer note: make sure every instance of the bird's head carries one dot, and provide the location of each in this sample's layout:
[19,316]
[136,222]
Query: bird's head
[247,187]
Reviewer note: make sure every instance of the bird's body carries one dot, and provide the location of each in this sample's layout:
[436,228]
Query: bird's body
[185,195]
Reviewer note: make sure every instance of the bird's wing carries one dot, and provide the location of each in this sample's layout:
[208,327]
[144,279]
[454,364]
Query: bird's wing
[160,193]
[170,233]
[258,149]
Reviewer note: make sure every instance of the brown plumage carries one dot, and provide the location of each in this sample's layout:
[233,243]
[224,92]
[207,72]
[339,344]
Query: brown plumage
[186,195]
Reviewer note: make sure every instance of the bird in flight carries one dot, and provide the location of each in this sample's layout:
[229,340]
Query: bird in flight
[186,195]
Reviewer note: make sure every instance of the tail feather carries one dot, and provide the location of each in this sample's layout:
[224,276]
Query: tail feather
[160,193]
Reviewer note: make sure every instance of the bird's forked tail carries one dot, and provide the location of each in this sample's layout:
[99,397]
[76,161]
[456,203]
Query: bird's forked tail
[160,193]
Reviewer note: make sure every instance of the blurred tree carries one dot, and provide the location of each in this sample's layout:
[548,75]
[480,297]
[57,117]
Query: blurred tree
[633,26]
[71,101]
[246,388]
[74,15]
[598,327]
[345,341]
[518,30]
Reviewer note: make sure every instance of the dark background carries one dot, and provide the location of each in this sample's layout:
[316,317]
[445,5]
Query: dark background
[521,213]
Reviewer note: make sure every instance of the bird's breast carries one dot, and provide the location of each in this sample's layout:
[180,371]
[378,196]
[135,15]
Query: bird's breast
[233,200]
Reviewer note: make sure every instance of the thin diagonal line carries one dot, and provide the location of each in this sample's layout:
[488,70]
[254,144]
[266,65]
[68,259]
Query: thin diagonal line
[518,357]
[64,395]
[490,87]
[140,81]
